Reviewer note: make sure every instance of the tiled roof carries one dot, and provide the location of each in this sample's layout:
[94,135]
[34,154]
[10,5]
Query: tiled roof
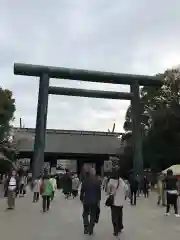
[65,141]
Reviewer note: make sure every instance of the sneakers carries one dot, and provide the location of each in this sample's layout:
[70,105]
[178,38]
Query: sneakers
[86,231]
[115,234]
[176,215]
[91,232]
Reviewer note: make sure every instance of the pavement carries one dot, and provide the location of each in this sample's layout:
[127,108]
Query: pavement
[63,222]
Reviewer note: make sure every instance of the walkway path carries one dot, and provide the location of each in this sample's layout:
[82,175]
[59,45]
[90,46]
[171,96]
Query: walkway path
[63,222]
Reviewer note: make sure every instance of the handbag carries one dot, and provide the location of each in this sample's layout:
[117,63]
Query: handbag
[42,188]
[110,199]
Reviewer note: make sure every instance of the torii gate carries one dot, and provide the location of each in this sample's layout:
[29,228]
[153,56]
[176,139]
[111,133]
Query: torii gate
[47,72]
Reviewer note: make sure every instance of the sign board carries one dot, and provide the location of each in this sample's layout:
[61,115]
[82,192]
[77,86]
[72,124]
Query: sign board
[29,174]
[53,170]
[73,165]
[46,166]
[67,164]
[107,166]
[24,161]
[114,160]
[62,163]
[60,172]
[58,163]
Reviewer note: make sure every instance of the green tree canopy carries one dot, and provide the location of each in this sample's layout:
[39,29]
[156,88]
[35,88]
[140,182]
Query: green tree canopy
[7,109]
[160,118]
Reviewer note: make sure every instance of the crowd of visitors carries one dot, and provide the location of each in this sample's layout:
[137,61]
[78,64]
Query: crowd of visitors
[168,190]
[90,187]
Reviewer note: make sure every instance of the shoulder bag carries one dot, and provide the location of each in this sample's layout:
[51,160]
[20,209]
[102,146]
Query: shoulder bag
[110,199]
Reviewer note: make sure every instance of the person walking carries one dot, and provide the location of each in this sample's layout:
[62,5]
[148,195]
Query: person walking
[160,190]
[54,184]
[116,189]
[172,193]
[104,183]
[146,187]
[164,193]
[133,182]
[21,186]
[127,188]
[67,184]
[46,190]
[90,197]
[139,184]
[75,185]
[11,189]
[36,189]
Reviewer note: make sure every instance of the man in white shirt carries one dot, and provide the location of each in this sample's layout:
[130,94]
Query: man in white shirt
[11,187]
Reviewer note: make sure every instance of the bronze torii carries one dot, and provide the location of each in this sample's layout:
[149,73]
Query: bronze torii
[47,72]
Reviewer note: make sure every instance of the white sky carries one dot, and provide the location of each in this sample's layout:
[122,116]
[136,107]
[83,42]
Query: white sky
[128,36]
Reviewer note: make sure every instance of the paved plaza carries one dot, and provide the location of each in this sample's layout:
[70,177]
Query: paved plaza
[63,222]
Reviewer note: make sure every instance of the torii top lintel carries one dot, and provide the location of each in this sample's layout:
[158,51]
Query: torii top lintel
[85,75]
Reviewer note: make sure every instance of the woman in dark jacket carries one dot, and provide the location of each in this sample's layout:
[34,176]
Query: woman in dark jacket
[67,185]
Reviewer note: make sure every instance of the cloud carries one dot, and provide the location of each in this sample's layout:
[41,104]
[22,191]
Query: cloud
[128,36]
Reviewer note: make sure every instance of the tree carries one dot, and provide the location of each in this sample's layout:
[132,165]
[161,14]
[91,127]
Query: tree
[7,109]
[160,117]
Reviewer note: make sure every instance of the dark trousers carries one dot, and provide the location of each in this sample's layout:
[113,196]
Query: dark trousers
[36,197]
[138,192]
[11,196]
[21,189]
[89,216]
[133,196]
[46,203]
[67,194]
[52,197]
[172,200]
[146,192]
[75,193]
[117,218]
